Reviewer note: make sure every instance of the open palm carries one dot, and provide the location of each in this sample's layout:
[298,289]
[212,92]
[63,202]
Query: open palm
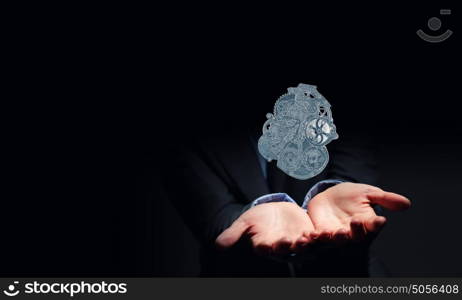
[344,212]
[273,228]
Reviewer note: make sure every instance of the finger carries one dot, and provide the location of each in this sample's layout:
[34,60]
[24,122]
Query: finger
[263,243]
[389,200]
[314,236]
[282,246]
[263,248]
[230,236]
[307,233]
[325,236]
[357,230]
[301,244]
[375,224]
[341,236]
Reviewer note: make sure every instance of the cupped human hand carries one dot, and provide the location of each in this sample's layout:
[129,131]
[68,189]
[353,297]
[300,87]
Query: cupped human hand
[344,212]
[274,228]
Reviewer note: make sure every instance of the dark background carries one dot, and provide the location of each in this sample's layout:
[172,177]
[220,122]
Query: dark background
[110,92]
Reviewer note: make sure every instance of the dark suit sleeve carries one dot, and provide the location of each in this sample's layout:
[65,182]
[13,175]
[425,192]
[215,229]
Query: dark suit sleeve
[353,160]
[200,194]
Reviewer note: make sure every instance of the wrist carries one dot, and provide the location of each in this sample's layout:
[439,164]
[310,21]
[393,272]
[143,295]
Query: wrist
[319,188]
[271,198]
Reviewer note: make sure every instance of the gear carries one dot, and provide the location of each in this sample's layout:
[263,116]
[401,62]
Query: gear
[289,159]
[316,159]
[320,131]
[296,133]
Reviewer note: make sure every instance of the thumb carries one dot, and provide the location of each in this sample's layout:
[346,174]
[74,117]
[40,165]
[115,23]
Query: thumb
[230,236]
[389,200]
[375,224]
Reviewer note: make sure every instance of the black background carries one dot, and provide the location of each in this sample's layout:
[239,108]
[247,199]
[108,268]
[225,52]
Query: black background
[100,97]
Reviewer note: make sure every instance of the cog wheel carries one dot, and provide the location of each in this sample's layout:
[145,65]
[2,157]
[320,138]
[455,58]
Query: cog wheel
[320,131]
[289,159]
[316,159]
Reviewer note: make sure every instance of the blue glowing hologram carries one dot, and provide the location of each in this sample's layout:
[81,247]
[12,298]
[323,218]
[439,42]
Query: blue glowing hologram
[296,134]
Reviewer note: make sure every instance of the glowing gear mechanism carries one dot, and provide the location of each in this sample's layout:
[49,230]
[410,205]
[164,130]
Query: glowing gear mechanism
[296,134]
